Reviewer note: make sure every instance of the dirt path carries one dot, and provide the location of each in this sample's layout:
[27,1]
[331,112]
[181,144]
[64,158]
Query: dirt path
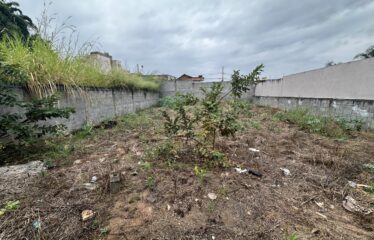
[165,202]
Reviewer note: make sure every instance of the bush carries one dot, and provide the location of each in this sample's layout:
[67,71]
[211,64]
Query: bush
[198,122]
[26,126]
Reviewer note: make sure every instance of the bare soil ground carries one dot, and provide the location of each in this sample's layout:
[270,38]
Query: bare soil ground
[171,203]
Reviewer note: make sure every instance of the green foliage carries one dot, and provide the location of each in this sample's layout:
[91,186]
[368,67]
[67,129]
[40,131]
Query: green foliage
[200,173]
[46,67]
[369,53]
[104,231]
[202,121]
[174,102]
[168,151]
[150,183]
[182,123]
[9,206]
[136,120]
[25,127]
[146,166]
[327,126]
[369,167]
[293,236]
[84,132]
[254,124]
[242,83]
[13,22]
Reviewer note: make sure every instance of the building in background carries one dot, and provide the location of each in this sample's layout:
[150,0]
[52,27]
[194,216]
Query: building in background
[188,77]
[104,61]
[165,77]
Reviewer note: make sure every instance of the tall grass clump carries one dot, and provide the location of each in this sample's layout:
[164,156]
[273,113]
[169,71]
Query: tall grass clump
[46,68]
[52,56]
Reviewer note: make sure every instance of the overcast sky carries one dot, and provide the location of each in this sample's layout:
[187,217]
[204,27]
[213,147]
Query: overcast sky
[201,36]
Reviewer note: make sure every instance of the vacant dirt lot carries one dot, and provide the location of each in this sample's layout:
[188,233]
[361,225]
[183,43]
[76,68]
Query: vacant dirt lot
[160,200]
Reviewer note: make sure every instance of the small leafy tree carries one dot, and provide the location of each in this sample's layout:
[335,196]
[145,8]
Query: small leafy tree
[209,117]
[26,125]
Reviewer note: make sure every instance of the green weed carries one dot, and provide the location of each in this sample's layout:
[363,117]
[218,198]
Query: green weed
[293,236]
[369,167]
[9,206]
[150,183]
[254,124]
[222,190]
[146,166]
[200,173]
[84,132]
[137,120]
[104,231]
[327,126]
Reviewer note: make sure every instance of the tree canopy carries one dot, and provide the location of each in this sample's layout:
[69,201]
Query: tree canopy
[12,20]
[369,53]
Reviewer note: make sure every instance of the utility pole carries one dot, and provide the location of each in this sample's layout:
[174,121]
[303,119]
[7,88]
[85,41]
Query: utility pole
[223,73]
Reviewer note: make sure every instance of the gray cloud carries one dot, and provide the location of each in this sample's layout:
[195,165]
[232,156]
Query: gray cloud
[198,37]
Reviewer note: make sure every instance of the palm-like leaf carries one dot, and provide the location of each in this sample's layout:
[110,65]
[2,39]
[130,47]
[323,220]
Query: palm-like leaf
[12,20]
[369,53]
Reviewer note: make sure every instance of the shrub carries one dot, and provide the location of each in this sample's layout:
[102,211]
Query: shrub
[201,121]
[26,126]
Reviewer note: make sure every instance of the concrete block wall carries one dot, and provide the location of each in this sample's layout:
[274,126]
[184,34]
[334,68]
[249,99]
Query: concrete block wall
[352,80]
[362,110]
[94,105]
[344,90]
[170,88]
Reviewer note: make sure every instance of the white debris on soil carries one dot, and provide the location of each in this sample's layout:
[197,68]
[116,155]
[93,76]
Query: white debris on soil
[89,186]
[254,150]
[78,161]
[23,170]
[93,179]
[285,171]
[351,205]
[352,184]
[320,204]
[239,170]
[87,215]
[212,196]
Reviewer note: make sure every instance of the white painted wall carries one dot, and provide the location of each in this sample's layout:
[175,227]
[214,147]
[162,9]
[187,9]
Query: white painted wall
[352,80]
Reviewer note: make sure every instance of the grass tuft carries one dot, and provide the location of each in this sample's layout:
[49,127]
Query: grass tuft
[324,125]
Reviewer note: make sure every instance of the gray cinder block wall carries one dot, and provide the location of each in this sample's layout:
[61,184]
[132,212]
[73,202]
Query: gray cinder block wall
[343,90]
[97,105]
[170,88]
[94,105]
